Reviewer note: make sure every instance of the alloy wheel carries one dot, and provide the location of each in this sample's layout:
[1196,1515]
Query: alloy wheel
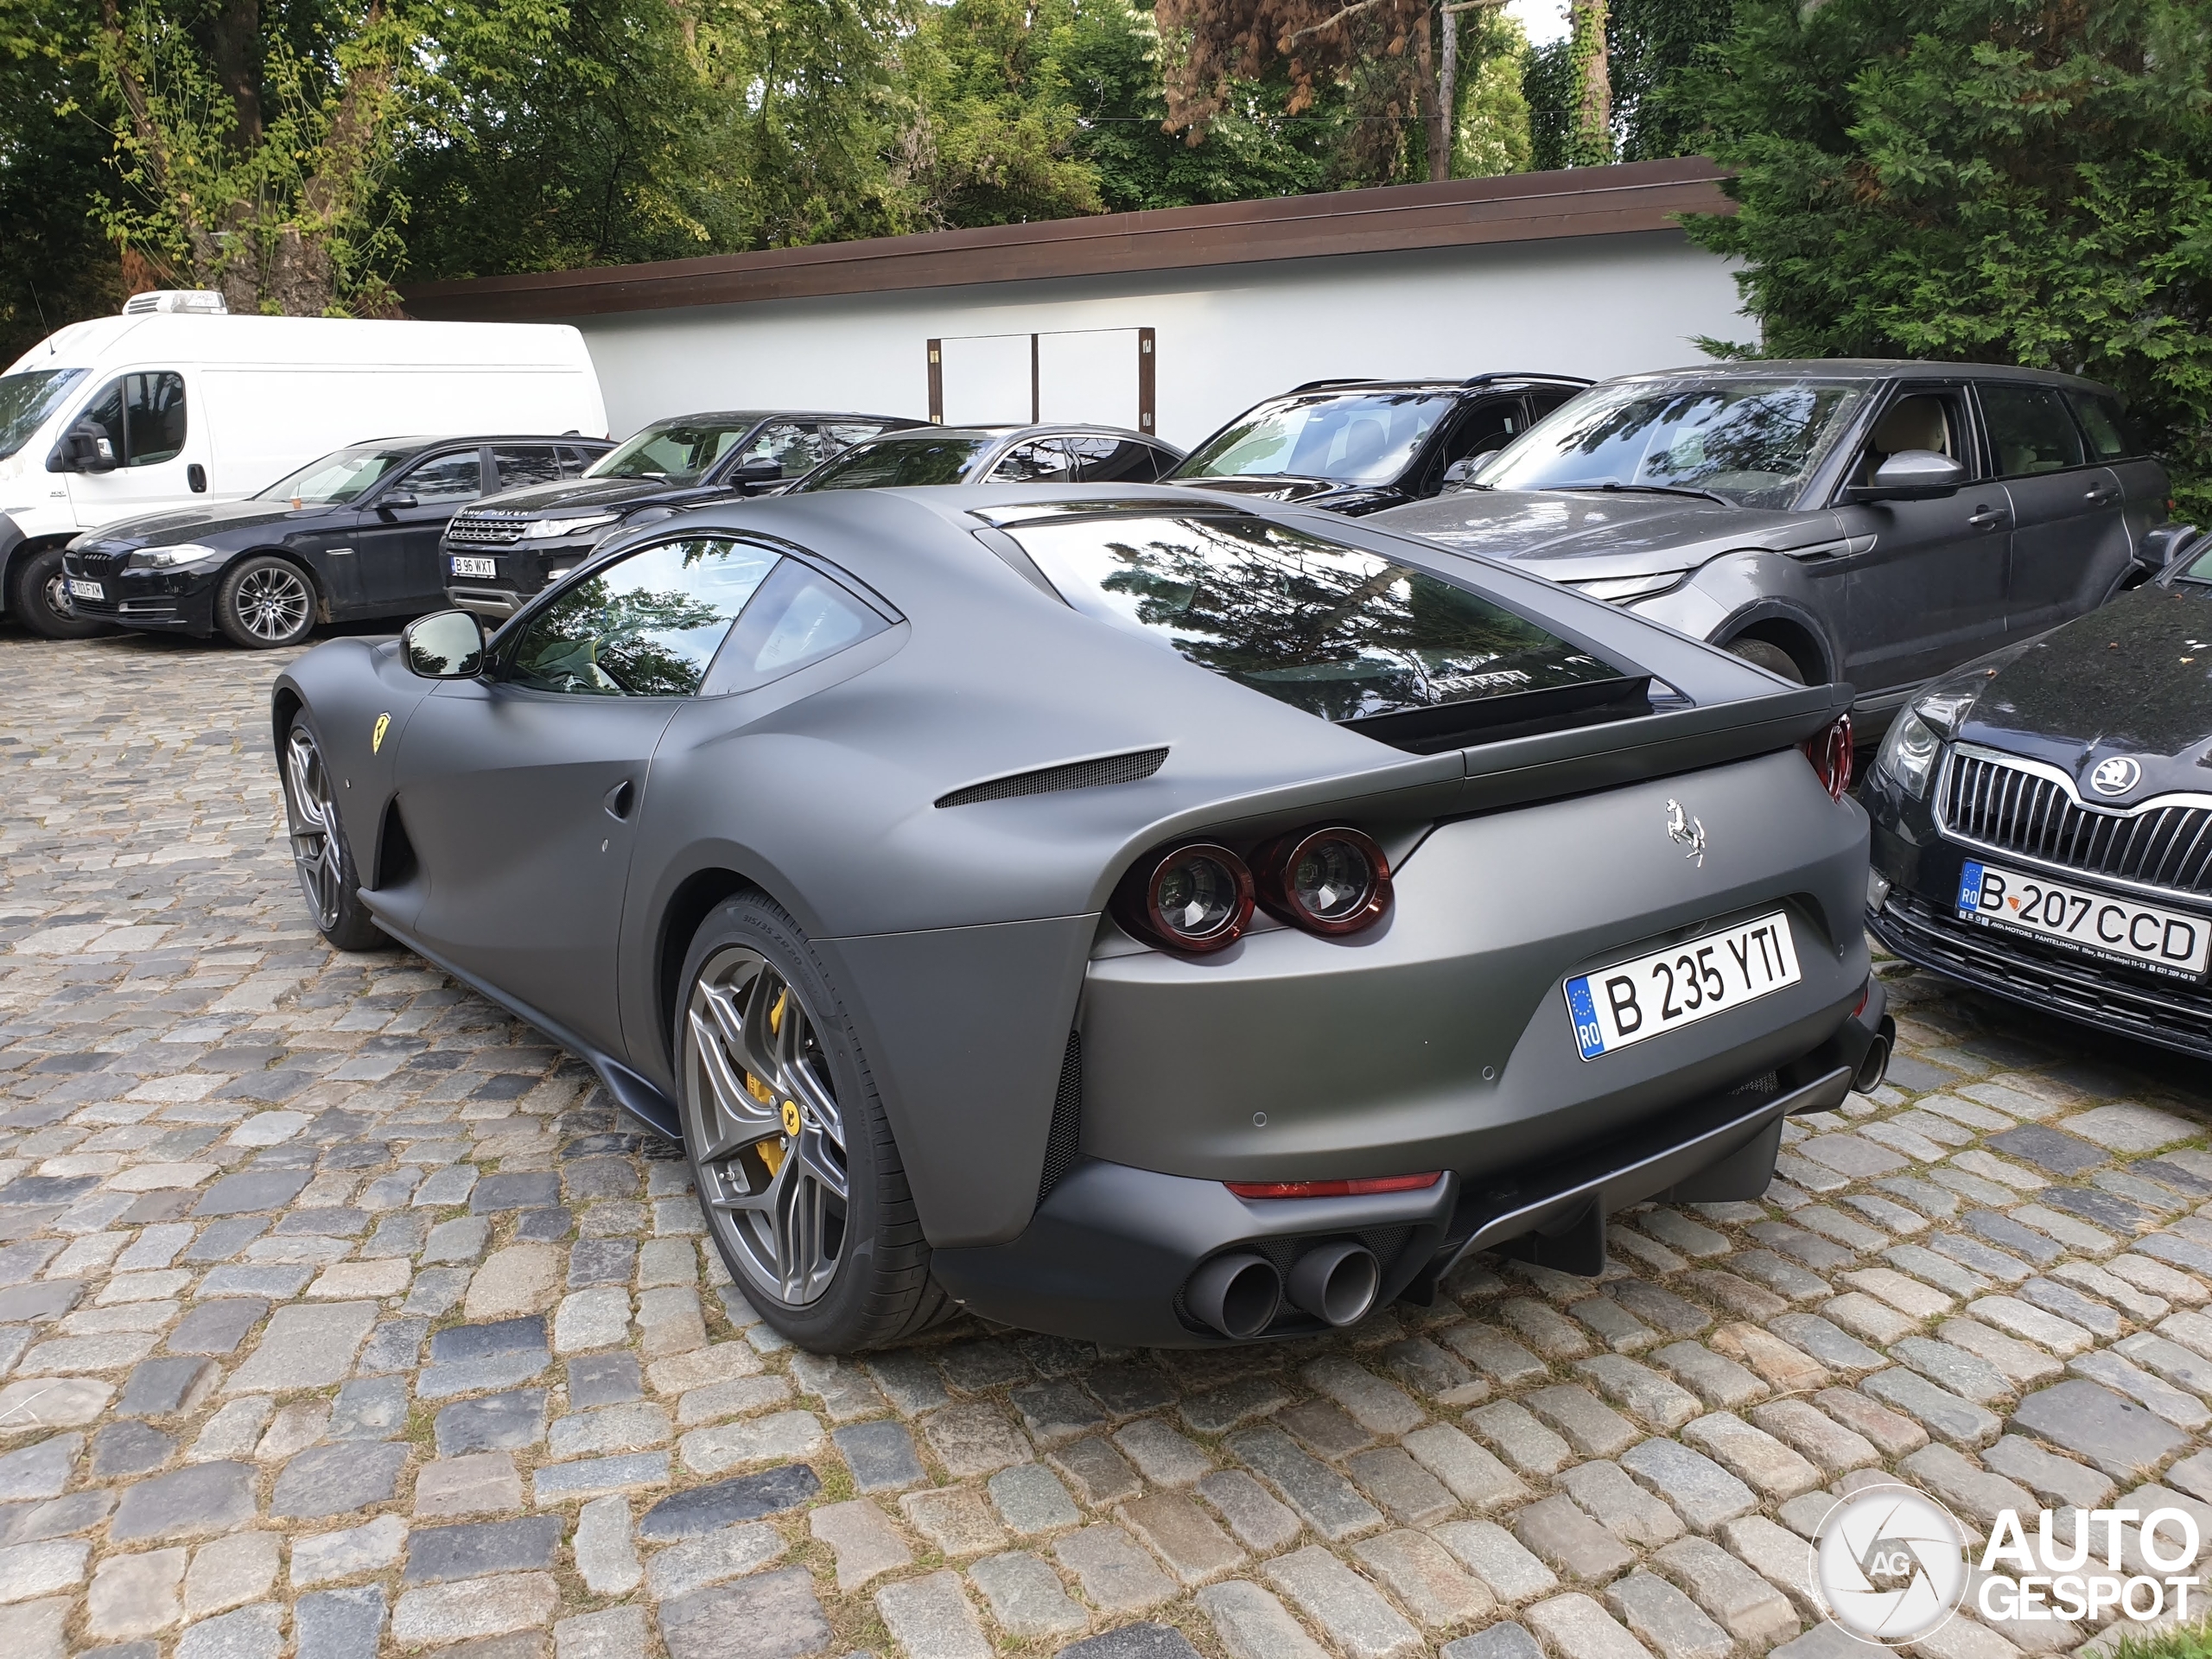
[315,852]
[273,602]
[769,1138]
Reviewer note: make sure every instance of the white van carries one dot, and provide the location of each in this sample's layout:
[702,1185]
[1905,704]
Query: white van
[174,403]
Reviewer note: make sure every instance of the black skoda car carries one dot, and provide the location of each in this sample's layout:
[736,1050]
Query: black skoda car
[500,554]
[352,536]
[1359,446]
[2042,817]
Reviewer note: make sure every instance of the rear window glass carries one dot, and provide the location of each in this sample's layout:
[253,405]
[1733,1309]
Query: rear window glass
[2111,437]
[1337,631]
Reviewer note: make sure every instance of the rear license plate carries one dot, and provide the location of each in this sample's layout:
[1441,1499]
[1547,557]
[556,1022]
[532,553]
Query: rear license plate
[79,588]
[2099,923]
[1680,985]
[464,566]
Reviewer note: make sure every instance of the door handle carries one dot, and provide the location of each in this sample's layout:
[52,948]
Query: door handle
[2099,492]
[619,800]
[1986,518]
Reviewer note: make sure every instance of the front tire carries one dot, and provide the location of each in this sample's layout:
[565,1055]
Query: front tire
[264,602]
[39,596]
[1762,653]
[797,1174]
[328,881]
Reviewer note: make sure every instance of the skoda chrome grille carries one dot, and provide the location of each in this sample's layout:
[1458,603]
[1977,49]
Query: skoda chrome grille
[2005,805]
[484,529]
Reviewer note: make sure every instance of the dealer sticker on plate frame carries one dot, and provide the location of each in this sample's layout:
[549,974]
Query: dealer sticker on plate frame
[2106,925]
[1682,985]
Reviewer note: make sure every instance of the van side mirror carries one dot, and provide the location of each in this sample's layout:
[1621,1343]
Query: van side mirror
[83,448]
[445,646]
[1912,475]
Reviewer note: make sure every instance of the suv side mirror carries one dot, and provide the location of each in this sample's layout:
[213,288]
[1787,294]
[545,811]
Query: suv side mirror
[2162,548]
[83,448]
[746,474]
[1913,475]
[397,503]
[445,646]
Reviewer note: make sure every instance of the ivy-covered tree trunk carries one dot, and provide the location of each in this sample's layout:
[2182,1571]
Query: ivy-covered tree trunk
[1592,144]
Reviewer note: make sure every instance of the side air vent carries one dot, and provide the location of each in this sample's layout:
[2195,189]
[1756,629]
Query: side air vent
[1066,1134]
[1137,765]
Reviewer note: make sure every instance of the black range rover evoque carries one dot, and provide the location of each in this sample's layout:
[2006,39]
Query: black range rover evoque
[501,553]
[2042,817]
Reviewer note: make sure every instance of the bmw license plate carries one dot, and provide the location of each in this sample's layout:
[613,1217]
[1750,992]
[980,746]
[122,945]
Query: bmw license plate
[2099,923]
[79,588]
[465,566]
[1680,985]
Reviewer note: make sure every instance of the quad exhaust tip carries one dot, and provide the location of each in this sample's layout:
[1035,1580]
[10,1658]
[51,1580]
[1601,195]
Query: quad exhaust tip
[1336,1282]
[1238,1295]
[1875,1063]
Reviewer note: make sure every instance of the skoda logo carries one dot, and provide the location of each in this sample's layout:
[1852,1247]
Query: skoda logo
[1890,1564]
[2116,776]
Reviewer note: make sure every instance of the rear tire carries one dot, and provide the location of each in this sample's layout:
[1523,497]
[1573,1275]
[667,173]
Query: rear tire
[264,603]
[797,1174]
[321,858]
[39,596]
[1762,653]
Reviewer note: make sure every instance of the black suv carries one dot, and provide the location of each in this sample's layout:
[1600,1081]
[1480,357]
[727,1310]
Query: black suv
[500,553]
[1359,446]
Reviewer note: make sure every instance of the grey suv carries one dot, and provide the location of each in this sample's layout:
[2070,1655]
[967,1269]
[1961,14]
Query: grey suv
[1872,522]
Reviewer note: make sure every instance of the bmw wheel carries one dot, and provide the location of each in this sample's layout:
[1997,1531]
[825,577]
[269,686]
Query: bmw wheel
[319,858]
[797,1171]
[40,600]
[264,602]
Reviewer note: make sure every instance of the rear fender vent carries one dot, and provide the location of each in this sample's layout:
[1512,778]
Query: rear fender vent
[1066,1137]
[1132,767]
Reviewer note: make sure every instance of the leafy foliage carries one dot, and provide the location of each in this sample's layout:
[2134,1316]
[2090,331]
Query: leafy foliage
[57,265]
[1990,180]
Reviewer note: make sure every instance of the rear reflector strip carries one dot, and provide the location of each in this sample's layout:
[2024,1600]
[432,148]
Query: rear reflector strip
[1357,1187]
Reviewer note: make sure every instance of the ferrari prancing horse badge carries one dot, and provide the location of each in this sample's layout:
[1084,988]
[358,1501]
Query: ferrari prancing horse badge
[376,737]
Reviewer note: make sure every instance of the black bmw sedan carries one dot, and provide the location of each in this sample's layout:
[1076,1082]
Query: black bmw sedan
[2042,817]
[354,535]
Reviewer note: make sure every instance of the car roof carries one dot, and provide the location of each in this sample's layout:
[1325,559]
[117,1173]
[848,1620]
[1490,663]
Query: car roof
[1040,428]
[1476,385]
[1866,369]
[416,442]
[745,417]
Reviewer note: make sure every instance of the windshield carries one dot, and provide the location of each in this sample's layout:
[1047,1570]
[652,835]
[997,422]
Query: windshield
[1753,442]
[341,476]
[889,462]
[1339,632]
[682,452]
[27,400]
[1351,438]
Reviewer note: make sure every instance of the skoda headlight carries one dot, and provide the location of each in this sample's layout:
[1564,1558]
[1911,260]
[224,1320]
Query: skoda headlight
[1619,589]
[1914,740]
[170,558]
[546,530]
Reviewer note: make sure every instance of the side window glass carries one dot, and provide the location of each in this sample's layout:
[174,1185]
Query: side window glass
[106,413]
[2030,430]
[799,616]
[153,417]
[646,626]
[1919,420]
[1040,460]
[795,447]
[2110,438]
[446,478]
[1542,404]
[574,460]
[525,463]
[1115,461]
[844,434]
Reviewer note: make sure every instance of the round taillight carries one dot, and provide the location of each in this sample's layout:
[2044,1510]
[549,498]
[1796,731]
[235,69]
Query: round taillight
[1331,882]
[1830,752]
[1195,898]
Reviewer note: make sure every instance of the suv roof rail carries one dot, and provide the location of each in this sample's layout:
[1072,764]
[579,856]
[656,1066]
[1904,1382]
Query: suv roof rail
[1526,374]
[1340,380]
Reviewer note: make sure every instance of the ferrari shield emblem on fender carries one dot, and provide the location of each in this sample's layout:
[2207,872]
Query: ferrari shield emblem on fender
[376,737]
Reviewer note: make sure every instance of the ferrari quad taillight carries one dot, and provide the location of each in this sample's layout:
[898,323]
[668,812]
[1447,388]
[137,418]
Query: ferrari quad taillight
[1330,882]
[1194,897]
[1830,754]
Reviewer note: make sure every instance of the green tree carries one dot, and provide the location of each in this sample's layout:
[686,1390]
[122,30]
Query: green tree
[1492,112]
[1990,180]
[1648,44]
[57,265]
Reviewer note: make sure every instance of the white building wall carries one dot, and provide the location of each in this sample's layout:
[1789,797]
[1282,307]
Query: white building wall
[1227,335]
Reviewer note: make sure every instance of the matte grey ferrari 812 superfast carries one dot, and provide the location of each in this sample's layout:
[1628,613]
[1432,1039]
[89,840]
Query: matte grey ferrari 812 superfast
[1125,912]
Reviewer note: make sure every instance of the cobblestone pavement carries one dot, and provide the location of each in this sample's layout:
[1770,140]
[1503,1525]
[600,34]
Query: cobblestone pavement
[340,1314]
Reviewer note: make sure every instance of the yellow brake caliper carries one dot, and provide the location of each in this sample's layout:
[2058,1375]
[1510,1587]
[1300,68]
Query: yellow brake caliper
[772,1153]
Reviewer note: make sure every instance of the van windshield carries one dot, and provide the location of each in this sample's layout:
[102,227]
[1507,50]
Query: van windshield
[27,399]
[343,476]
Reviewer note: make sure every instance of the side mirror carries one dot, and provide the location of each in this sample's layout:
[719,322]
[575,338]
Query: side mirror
[83,448]
[445,645]
[1913,475]
[745,474]
[2162,548]
[397,503]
